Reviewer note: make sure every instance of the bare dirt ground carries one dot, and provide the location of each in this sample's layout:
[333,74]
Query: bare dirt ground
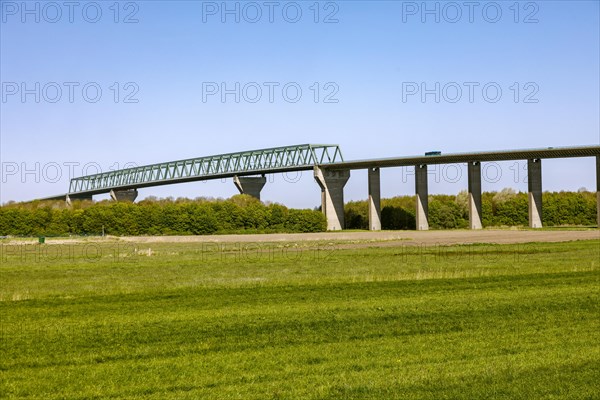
[389,238]
[358,239]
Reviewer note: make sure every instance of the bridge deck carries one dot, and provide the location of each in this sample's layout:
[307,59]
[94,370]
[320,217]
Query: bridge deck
[286,159]
[504,155]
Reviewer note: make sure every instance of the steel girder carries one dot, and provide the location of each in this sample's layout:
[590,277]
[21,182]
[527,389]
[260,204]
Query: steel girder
[278,159]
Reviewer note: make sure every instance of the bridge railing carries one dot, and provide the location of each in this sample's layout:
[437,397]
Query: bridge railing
[256,161]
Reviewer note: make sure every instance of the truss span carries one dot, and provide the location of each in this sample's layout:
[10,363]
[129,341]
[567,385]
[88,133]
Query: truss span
[264,161]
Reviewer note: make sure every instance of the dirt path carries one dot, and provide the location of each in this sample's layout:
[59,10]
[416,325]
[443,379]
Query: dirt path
[359,239]
[390,237]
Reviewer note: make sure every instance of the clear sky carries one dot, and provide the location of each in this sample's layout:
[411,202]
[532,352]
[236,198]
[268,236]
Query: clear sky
[88,85]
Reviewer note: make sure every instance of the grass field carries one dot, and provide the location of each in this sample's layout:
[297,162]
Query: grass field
[300,321]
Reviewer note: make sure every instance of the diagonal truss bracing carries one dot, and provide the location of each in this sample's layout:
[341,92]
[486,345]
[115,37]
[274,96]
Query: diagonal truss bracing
[278,159]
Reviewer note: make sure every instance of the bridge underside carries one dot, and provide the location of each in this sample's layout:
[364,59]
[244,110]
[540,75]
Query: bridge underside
[331,173]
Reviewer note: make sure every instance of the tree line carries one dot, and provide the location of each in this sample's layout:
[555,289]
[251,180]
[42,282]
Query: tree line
[241,213]
[504,208]
[245,214]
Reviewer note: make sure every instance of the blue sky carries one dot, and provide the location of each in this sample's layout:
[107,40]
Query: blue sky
[365,58]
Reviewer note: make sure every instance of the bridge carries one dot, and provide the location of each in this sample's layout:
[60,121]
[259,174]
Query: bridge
[123,184]
[248,170]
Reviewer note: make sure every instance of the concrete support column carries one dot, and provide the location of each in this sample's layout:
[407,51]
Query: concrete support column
[421,190]
[69,199]
[534,183]
[598,190]
[251,185]
[374,199]
[474,176]
[124,195]
[332,184]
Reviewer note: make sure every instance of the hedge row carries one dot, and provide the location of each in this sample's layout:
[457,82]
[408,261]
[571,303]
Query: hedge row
[241,213]
[505,208]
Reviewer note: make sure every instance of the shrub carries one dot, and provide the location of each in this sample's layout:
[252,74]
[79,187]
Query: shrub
[156,217]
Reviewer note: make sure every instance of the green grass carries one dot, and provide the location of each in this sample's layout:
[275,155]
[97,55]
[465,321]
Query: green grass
[304,321]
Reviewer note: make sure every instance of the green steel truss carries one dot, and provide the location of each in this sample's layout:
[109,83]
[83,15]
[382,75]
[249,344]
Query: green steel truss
[278,159]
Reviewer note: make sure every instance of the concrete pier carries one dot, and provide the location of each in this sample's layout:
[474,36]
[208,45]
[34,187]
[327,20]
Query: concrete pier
[332,184]
[374,199]
[70,198]
[474,177]
[251,185]
[598,190]
[534,183]
[124,195]
[422,214]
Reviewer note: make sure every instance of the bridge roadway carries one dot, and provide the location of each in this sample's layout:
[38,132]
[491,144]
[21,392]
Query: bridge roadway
[331,172]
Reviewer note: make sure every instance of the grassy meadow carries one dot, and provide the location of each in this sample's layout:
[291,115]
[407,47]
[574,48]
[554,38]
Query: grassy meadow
[322,320]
